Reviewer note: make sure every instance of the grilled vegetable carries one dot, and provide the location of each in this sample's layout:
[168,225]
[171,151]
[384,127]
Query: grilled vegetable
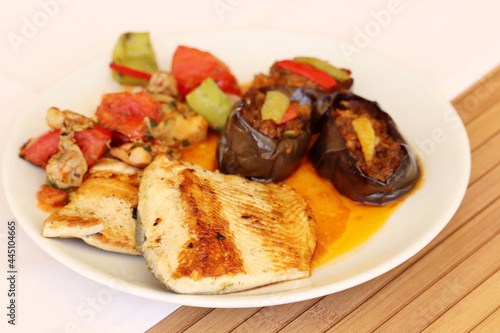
[134,59]
[210,102]
[338,154]
[123,70]
[303,74]
[337,73]
[125,112]
[191,67]
[38,151]
[92,141]
[259,149]
[309,72]
[275,105]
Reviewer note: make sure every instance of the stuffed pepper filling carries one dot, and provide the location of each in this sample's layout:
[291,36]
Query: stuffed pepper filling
[368,140]
[252,114]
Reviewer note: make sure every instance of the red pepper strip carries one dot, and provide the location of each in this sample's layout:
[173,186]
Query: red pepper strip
[290,113]
[309,72]
[130,72]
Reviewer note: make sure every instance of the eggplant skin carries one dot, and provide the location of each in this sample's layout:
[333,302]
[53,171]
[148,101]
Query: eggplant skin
[245,151]
[332,160]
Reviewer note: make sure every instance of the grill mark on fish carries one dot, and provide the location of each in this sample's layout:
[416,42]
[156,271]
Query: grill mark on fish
[273,234]
[273,238]
[75,221]
[132,180]
[212,241]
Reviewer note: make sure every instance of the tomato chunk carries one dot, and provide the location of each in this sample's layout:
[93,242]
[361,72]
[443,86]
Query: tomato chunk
[39,150]
[50,198]
[93,143]
[191,67]
[124,112]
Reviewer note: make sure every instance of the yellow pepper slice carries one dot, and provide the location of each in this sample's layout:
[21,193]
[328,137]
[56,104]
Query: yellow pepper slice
[366,136]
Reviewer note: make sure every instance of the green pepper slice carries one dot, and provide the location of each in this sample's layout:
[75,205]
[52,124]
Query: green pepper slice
[209,101]
[134,51]
[275,106]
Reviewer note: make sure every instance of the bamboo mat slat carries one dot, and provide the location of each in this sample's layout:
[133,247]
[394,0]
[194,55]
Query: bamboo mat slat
[478,97]
[221,320]
[484,126]
[473,308]
[452,285]
[486,156]
[490,324]
[272,318]
[182,320]
[443,294]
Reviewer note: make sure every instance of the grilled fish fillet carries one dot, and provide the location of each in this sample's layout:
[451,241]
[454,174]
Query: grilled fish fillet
[203,232]
[101,211]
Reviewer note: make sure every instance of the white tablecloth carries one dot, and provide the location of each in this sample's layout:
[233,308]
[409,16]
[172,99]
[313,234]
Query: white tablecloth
[450,44]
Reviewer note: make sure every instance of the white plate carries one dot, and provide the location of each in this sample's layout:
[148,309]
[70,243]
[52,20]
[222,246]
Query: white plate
[428,122]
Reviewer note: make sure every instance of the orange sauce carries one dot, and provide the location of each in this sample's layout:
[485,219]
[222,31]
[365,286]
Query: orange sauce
[330,212]
[341,224]
[363,221]
[203,152]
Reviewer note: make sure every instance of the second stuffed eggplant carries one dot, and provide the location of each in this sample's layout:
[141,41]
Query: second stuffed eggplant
[362,152]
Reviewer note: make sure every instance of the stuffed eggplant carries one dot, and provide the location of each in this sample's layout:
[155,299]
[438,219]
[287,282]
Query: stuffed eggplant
[267,133]
[362,152]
